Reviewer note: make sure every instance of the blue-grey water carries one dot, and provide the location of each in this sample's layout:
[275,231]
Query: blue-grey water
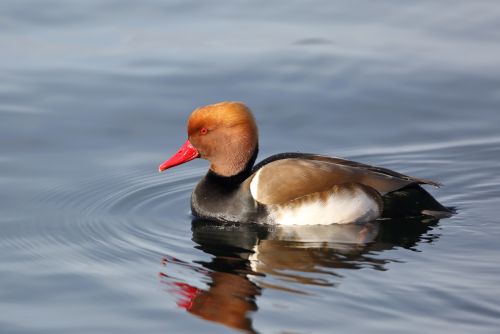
[95,94]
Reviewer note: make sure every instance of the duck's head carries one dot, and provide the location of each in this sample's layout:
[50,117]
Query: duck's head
[224,133]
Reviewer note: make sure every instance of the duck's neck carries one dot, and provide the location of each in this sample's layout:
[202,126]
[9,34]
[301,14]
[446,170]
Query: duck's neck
[237,178]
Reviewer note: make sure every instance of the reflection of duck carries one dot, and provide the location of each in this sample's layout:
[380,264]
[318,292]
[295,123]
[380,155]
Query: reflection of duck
[289,188]
[231,294]
[292,258]
[229,300]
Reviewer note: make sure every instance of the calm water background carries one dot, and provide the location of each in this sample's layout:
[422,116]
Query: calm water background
[95,94]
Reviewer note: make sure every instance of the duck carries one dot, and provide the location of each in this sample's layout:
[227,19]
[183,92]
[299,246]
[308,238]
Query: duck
[288,188]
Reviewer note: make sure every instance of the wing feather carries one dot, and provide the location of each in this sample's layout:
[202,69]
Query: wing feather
[289,176]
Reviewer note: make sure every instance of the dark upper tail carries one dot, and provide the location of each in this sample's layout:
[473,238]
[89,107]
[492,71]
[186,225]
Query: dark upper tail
[413,200]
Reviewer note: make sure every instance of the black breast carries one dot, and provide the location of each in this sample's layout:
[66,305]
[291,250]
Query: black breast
[225,199]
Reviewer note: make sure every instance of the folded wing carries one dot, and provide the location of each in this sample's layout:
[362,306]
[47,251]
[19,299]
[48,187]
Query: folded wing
[288,176]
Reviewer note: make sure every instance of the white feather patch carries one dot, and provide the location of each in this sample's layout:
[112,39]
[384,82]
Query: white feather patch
[339,208]
[254,185]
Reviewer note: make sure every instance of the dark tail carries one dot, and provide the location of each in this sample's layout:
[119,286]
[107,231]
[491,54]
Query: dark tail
[413,200]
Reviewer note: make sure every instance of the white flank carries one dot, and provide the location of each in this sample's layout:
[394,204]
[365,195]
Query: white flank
[339,208]
[254,185]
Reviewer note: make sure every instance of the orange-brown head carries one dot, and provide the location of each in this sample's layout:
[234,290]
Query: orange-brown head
[224,133]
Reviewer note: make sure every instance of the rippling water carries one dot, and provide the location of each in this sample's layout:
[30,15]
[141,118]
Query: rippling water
[94,95]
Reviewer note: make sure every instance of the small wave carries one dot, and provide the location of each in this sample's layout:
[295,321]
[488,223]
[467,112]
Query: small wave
[111,219]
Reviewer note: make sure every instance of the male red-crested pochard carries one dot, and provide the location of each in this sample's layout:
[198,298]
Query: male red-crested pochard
[288,188]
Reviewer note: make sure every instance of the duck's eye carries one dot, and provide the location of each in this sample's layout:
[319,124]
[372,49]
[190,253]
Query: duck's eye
[203,131]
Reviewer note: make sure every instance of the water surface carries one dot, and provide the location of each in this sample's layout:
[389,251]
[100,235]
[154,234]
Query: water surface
[94,95]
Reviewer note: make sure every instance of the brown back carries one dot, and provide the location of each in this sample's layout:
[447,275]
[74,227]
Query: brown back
[286,179]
